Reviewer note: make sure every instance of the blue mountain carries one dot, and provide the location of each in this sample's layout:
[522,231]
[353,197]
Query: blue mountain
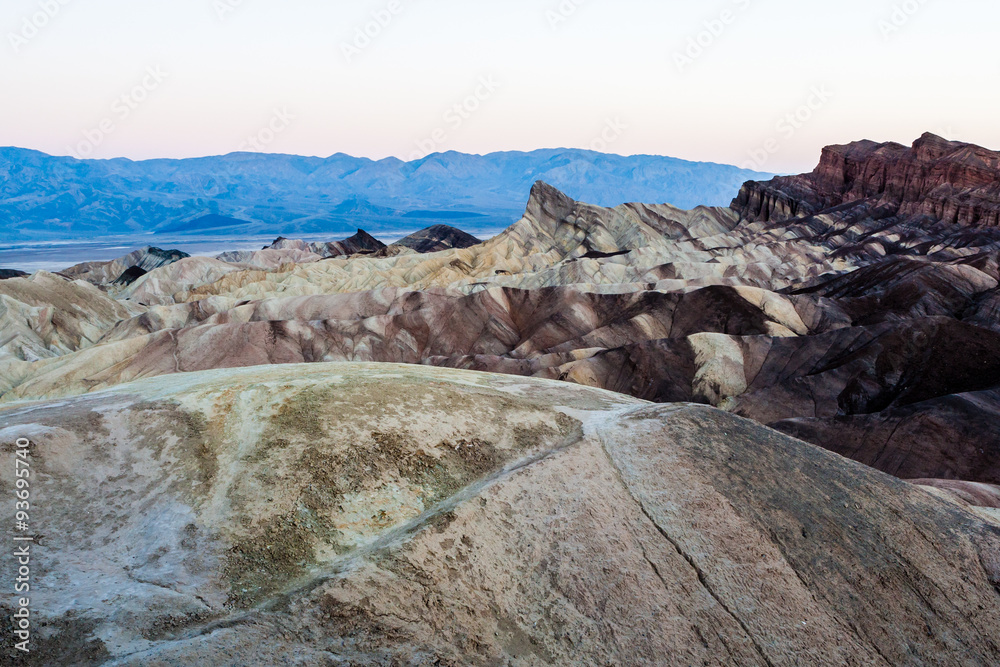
[43,197]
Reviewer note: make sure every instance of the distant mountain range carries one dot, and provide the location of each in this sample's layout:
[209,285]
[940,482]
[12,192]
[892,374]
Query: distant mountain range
[43,197]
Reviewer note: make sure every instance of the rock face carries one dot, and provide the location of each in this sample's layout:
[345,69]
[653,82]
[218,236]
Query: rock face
[11,273]
[934,181]
[437,238]
[969,493]
[269,259]
[380,514]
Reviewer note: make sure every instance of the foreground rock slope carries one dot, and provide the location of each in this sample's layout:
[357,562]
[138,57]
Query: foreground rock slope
[378,514]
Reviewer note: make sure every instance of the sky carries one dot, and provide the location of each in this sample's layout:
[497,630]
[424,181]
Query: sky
[763,84]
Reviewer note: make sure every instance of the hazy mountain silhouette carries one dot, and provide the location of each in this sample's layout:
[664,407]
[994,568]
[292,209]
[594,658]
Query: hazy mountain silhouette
[46,197]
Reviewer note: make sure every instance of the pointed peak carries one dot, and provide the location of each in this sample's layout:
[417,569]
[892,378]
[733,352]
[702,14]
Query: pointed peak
[543,189]
[546,197]
[362,234]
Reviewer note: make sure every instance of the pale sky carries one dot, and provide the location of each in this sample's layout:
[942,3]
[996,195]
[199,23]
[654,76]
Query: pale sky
[208,77]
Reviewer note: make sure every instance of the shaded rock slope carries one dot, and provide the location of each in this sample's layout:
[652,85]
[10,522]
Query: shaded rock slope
[45,315]
[385,515]
[360,243]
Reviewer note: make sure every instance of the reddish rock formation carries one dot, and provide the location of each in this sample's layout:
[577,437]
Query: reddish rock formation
[935,179]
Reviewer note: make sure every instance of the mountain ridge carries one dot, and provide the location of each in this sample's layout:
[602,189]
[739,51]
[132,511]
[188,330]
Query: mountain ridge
[45,197]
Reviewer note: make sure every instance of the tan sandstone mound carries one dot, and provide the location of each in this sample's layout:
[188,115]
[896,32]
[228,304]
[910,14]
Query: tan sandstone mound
[391,515]
[269,258]
[45,315]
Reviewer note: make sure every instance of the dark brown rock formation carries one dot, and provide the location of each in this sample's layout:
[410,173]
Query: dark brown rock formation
[437,238]
[130,275]
[934,180]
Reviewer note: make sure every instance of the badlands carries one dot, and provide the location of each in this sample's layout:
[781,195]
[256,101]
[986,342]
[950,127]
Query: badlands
[763,434]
